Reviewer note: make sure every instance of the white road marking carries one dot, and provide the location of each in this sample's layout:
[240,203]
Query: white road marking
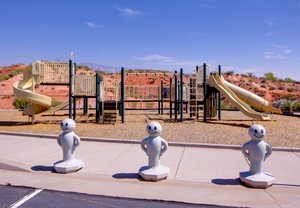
[25,198]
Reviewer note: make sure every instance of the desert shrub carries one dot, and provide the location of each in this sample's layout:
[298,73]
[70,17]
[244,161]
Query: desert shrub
[288,105]
[55,103]
[289,80]
[133,105]
[296,106]
[228,106]
[4,77]
[100,72]
[270,76]
[281,88]
[20,103]
[250,74]
[13,73]
[149,105]
[228,72]
[272,88]
[288,97]
[291,89]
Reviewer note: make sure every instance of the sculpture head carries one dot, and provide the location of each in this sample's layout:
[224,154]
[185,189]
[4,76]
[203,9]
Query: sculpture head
[68,125]
[154,128]
[257,131]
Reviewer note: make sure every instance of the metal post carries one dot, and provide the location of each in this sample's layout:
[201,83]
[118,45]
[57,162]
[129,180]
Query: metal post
[70,88]
[176,96]
[122,94]
[204,93]
[158,101]
[162,97]
[219,96]
[170,107]
[181,94]
[85,106]
[74,108]
[97,98]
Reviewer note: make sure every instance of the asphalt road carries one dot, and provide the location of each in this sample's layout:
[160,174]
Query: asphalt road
[13,197]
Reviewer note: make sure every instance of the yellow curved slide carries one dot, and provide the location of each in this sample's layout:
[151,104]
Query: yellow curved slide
[230,93]
[25,89]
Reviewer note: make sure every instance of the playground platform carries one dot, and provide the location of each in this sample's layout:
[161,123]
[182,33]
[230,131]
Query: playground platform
[198,175]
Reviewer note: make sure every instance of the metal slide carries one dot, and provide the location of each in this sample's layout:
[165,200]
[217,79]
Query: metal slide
[219,83]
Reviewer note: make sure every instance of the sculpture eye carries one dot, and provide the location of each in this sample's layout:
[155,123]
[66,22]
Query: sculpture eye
[155,128]
[66,124]
[262,131]
[255,131]
[149,127]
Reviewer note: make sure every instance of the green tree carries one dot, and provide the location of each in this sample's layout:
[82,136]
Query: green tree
[270,76]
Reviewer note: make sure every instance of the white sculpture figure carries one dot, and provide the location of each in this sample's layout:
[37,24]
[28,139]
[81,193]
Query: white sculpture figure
[68,141]
[256,151]
[154,146]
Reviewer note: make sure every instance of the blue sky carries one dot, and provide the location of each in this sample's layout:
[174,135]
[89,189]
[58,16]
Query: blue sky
[242,35]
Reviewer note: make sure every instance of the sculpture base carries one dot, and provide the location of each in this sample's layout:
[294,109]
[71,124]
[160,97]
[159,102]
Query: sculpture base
[68,166]
[154,174]
[259,180]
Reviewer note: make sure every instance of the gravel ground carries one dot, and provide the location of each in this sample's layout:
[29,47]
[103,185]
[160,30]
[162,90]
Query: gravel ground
[282,131]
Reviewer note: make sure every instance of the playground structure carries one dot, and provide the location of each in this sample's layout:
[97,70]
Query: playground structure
[57,73]
[184,94]
[208,94]
[199,92]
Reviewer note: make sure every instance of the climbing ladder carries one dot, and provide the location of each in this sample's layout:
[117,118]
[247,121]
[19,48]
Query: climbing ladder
[196,96]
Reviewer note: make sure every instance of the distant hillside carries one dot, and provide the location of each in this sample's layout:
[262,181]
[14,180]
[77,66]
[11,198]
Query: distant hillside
[267,87]
[100,67]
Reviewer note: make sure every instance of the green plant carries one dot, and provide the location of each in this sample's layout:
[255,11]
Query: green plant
[272,88]
[270,76]
[20,103]
[133,105]
[289,80]
[250,74]
[149,105]
[229,72]
[55,103]
[14,73]
[287,106]
[296,106]
[4,77]
[291,89]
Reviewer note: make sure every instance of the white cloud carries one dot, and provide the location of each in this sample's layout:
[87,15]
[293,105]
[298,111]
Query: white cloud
[129,12]
[93,25]
[279,46]
[269,23]
[268,34]
[287,51]
[156,57]
[273,55]
[166,60]
[277,52]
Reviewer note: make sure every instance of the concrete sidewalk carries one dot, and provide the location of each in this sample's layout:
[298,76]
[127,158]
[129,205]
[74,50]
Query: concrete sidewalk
[198,175]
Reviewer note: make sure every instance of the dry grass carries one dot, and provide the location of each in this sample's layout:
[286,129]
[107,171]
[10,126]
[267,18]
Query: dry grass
[232,129]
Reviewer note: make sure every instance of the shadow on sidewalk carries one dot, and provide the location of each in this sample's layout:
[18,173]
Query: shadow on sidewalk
[230,124]
[281,184]
[43,168]
[226,181]
[14,123]
[127,176]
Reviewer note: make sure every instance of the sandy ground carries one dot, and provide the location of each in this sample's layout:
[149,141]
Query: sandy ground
[283,131]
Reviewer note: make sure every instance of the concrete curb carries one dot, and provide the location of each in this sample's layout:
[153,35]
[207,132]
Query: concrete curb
[128,141]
